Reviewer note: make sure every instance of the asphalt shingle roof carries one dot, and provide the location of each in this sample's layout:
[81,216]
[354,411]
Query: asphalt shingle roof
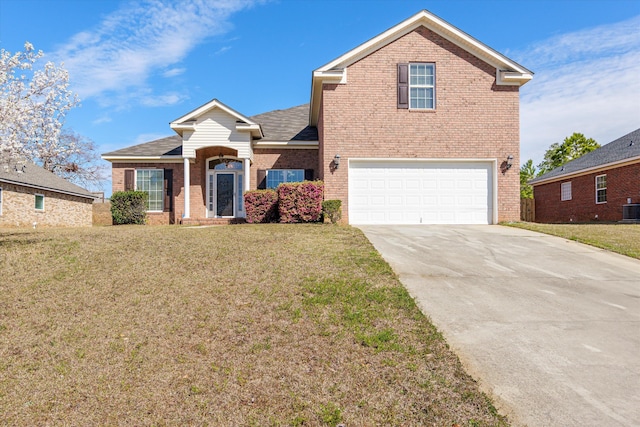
[291,124]
[31,175]
[622,148]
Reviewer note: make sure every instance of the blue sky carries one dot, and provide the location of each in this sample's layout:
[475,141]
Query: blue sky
[137,65]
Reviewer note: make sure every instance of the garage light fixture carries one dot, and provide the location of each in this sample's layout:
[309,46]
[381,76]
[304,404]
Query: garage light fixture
[509,161]
[336,161]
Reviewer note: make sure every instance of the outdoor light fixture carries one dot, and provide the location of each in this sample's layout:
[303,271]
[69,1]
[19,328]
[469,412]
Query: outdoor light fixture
[509,161]
[336,161]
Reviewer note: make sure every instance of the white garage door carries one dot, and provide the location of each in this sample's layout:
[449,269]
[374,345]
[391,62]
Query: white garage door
[420,192]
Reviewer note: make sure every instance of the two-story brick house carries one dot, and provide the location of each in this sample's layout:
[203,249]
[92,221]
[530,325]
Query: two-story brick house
[418,125]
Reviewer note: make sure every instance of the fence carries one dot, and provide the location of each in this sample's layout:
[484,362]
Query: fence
[527,210]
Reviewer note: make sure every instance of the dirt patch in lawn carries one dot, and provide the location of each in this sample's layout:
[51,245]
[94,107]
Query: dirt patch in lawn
[620,238]
[236,325]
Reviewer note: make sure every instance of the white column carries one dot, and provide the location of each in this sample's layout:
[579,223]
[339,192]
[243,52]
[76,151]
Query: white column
[247,170]
[187,184]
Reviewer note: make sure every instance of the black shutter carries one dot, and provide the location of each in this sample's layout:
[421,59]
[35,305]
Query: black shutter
[168,190]
[308,174]
[403,85]
[262,179]
[128,180]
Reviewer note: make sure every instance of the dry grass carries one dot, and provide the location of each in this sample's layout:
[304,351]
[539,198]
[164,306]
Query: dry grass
[621,238]
[237,325]
[102,213]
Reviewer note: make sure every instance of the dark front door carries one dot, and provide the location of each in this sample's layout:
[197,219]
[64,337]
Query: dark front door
[224,194]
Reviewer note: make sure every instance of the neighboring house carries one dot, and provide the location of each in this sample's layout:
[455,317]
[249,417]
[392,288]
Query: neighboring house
[596,186]
[32,195]
[418,125]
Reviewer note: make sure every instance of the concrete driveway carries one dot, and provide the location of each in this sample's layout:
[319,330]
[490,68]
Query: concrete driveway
[549,327]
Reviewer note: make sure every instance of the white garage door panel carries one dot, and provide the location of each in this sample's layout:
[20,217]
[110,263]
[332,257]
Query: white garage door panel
[420,192]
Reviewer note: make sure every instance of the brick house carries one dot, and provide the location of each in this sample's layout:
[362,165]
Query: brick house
[602,185]
[30,194]
[418,125]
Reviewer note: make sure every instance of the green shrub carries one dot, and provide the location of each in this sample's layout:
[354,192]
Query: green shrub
[332,209]
[129,207]
[261,206]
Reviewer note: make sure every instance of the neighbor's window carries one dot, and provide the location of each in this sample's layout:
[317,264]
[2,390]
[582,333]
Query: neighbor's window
[421,86]
[151,181]
[565,191]
[276,177]
[601,189]
[39,202]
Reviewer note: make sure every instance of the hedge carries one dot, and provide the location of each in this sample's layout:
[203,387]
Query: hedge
[129,207]
[261,206]
[300,201]
[332,209]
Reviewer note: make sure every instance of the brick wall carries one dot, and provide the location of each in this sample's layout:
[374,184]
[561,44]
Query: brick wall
[283,159]
[474,118]
[60,210]
[622,183]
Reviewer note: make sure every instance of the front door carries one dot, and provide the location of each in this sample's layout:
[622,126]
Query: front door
[225,190]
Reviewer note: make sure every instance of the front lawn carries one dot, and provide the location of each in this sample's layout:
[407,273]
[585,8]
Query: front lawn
[236,325]
[621,238]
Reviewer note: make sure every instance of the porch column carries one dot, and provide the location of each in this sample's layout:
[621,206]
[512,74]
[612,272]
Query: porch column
[187,184]
[247,178]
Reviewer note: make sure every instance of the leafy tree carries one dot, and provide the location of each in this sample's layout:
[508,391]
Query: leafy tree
[527,173]
[34,102]
[572,147]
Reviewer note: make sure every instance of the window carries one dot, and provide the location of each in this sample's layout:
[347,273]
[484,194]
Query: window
[565,191]
[151,181]
[39,202]
[601,189]
[276,177]
[421,86]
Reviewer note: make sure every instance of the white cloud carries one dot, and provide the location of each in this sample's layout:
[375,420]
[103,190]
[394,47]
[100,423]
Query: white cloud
[101,119]
[587,81]
[172,72]
[222,50]
[139,39]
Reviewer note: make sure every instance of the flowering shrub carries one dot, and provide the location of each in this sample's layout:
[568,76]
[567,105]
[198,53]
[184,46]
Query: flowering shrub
[300,201]
[261,206]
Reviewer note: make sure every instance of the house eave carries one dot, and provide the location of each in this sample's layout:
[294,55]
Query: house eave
[143,159]
[295,145]
[45,188]
[587,171]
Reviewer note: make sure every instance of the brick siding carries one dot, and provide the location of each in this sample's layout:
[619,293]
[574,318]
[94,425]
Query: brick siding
[622,183]
[474,118]
[60,210]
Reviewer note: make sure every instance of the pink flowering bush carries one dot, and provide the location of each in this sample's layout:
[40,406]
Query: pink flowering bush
[300,201]
[261,206]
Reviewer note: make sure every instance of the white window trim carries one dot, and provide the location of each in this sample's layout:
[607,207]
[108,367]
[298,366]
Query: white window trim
[281,170]
[35,197]
[135,185]
[565,191]
[432,86]
[600,189]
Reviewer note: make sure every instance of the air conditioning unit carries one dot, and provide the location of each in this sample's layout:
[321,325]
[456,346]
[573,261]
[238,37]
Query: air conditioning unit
[631,212]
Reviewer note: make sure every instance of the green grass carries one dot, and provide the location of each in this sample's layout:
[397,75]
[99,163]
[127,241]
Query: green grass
[620,238]
[237,325]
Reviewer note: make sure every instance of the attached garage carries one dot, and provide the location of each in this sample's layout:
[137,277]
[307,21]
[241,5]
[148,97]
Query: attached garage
[385,191]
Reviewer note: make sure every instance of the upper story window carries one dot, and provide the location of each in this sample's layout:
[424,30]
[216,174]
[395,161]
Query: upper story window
[601,189]
[565,191]
[151,181]
[276,177]
[416,86]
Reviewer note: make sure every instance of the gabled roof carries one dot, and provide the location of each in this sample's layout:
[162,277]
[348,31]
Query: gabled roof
[31,175]
[188,120]
[286,125]
[168,148]
[291,124]
[508,72]
[623,150]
